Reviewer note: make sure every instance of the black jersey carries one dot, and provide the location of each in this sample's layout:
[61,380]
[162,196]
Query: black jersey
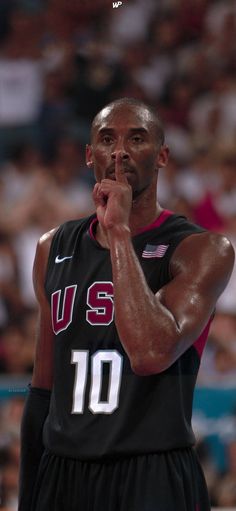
[99,407]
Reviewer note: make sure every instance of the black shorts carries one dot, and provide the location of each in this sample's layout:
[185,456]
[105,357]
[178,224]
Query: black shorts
[166,481]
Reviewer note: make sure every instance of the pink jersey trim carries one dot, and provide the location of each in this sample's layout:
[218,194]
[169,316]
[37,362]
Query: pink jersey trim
[200,343]
[94,221]
[162,218]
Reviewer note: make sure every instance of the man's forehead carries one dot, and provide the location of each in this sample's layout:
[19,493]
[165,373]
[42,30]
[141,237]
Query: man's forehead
[127,113]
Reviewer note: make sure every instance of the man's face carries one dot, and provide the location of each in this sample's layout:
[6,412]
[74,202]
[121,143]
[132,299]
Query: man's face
[128,129]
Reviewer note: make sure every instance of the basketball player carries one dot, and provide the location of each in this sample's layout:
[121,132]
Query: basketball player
[126,298]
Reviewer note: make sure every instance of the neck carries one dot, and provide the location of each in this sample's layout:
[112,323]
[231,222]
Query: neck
[145,209]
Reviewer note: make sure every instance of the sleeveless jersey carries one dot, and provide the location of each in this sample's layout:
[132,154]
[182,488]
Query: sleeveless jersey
[99,407]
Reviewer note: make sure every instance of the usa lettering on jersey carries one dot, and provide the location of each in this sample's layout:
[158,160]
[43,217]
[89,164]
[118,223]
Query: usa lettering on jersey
[61,320]
[99,300]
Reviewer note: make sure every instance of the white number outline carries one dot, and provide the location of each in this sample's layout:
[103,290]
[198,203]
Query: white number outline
[80,358]
[80,380]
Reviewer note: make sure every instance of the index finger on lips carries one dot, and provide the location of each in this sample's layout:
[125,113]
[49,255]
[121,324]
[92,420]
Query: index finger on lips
[119,171]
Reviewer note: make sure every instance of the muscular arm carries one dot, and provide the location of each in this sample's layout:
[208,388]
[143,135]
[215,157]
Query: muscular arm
[38,399]
[43,364]
[156,329]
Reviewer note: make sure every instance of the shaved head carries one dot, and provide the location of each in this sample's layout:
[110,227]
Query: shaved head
[146,111]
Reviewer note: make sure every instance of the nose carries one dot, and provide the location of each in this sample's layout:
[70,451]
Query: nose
[122,152]
[120,148]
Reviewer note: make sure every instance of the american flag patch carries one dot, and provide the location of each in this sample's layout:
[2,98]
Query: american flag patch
[154,251]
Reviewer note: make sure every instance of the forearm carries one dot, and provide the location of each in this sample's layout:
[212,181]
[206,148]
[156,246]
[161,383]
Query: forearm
[147,329]
[34,415]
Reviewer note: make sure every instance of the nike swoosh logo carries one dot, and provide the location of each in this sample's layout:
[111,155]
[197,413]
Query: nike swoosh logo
[59,259]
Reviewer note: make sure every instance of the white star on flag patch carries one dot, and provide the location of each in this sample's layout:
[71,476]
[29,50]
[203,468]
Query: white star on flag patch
[154,251]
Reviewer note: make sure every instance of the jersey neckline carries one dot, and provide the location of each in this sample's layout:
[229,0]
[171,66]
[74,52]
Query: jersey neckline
[165,214]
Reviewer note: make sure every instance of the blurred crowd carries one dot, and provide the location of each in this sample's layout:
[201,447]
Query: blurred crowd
[60,62]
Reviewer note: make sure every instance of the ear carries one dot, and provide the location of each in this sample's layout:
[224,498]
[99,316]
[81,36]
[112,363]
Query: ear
[163,156]
[89,155]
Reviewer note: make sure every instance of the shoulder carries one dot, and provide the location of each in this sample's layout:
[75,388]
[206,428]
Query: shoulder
[204,253]
[45,240]
[41,261]
[206,243]
[61,234]
[64,230]
[43,247]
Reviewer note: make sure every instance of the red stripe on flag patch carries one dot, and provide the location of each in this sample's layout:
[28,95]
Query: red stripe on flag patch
[154,251]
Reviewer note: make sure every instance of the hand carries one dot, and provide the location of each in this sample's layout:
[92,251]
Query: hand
[113,199]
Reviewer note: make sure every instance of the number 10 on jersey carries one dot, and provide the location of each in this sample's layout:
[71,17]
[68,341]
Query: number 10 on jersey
[81,360]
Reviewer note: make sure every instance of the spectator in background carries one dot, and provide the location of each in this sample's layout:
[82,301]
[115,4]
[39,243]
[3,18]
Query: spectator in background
[35,198]
[21,78]
[131,25]
[71,180]
[225,198]
[208,465]
[198,182]
[10,414]
[225,488]
[219,362]
[212,115]
[16,357]
[22,175]
[56,111]
[11,302]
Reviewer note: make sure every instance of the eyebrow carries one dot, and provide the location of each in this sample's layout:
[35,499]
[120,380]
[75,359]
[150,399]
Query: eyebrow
[131,130]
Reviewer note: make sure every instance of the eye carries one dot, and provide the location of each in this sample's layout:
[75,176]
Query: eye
[107,139]
[137,139]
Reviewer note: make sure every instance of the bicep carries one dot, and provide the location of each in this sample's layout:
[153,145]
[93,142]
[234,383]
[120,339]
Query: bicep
[190,305]
[202,267]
